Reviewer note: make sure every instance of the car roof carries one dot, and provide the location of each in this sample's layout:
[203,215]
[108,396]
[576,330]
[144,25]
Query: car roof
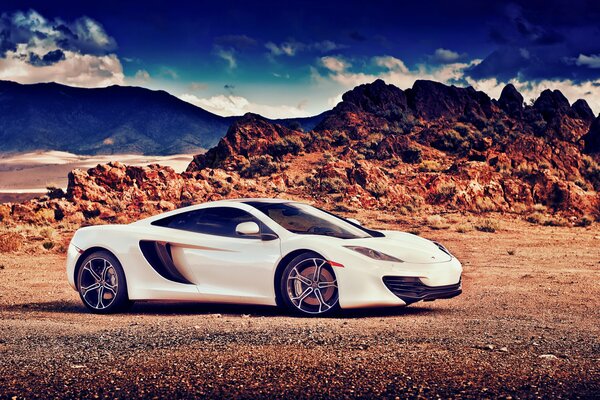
[265,200]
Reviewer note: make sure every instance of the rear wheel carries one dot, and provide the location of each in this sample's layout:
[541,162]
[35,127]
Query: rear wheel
[309,287]
[101,283]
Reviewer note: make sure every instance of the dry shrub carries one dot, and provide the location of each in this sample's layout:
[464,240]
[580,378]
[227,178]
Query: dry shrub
[437,222]
[4,212]
[536,218]
[464,228]
[431,166]
[487,225]
[11,241]
[585,221]
[43,215]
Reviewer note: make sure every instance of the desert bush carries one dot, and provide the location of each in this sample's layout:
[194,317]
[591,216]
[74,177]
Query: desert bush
[44,215]
[431,166]
[332,185]
[591,172]
[260,166]
[286,145]
[539,207]
[48,233]
[48,245]
[464,228]
[11,241]
[443,193]
[536,218]
[4,212]
[340,138]
[412,155]
[436,222]
[511,252]
[487,225]
[585,221]
[378,188]
[556,221]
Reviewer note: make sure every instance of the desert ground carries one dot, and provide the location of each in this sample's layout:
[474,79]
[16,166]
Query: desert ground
[24,176]
[526,326]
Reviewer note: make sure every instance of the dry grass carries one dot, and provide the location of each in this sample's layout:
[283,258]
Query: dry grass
[11,242]
[437,222]
[487,225]
[464,228]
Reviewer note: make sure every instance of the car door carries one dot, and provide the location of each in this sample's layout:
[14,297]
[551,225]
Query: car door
[225,265]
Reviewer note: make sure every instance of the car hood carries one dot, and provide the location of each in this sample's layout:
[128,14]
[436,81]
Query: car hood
[405,246]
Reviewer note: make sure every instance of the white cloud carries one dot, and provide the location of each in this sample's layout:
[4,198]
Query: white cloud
[393,70]
[76,69]
[335,64]
[286,48]
[291,48]
[446,56]
[142,75]
[229,56]
[228,105]
[591,61]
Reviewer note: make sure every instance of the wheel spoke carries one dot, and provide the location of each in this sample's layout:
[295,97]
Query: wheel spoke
[318,269]
[100,298]
[88,267]
[87,289]
[325,284]
[111,289]
[300,278]
[105,269]
[322,302]
[303,295]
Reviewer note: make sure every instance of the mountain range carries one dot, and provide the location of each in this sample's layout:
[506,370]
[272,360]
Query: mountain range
[111,120]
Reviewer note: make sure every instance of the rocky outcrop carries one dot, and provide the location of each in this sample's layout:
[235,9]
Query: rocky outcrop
[582,110]
[429,148]
[432,100]
[592,138]
[251,135]
[511,101]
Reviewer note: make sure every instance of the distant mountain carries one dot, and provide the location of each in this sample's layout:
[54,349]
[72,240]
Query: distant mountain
[111,120]
[116,119]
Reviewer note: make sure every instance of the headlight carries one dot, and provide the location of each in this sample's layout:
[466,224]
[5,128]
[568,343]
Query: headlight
[442,248]
[374,254]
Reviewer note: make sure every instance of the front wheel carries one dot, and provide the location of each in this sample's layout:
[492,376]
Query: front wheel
[101,283]
[309,286]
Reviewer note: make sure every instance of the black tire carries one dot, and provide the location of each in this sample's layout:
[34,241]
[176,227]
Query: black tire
[305,293]
[101,284]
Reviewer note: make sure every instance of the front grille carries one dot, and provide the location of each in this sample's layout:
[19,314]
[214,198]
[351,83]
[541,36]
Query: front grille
[411,289]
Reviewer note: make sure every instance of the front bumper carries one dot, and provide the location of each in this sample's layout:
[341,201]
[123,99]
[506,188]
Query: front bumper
[411,289]
[384,284]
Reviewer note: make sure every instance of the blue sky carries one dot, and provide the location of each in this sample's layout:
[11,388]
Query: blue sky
[285,59]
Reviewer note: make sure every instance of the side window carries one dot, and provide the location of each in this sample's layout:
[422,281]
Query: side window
[220,221]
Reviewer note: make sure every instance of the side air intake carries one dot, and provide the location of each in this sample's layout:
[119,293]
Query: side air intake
[158,255]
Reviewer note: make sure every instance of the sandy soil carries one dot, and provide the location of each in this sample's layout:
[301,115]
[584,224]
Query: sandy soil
[29,174]
[526,326]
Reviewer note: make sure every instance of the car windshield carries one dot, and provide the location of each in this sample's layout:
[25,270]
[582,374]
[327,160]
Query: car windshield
[307,220]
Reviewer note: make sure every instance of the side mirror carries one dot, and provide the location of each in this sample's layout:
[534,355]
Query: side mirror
[249,228]
[354,221]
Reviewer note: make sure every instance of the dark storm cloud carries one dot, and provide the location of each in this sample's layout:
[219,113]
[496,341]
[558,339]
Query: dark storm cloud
[543,41]
[51,37]
[49,58]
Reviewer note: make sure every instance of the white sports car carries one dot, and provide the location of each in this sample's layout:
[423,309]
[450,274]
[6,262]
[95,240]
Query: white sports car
[257,251]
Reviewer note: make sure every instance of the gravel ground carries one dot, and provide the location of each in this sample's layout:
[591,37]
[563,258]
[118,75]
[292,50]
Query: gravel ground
[526,326]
